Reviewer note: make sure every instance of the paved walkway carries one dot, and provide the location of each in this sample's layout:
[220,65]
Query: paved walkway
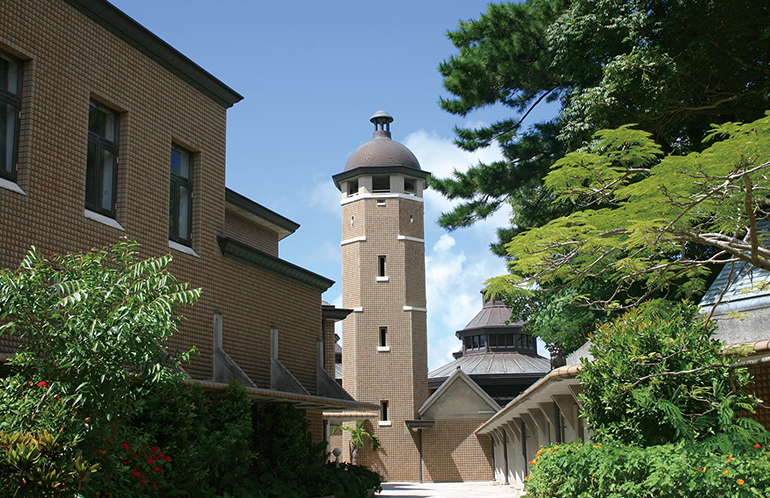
[444,490]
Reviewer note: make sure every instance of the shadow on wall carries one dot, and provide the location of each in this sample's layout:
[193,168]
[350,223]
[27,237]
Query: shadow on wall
[452,452]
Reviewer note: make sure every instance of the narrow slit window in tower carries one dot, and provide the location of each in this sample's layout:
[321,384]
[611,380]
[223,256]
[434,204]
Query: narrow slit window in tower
[381,266]
[383,337]
[384,411]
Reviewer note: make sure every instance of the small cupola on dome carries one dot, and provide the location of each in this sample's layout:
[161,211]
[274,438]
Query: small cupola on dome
[381,151]
[381,120]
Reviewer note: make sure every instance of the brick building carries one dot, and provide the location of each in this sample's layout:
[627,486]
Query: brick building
[106,131]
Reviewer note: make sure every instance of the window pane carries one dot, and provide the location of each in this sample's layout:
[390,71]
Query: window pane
[9,74]
[180,163]
[482,341]
[107,164]
[509,341]
[184,212]
[101,123]
[7,134]
[493,340]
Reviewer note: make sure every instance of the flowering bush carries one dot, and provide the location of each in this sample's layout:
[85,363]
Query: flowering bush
[91,329]
[672,470]
[130,464]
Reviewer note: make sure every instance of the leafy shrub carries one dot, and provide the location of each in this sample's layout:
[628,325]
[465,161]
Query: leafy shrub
[347,481]
[673,470]
[283,446]
[38,465]
[659,377]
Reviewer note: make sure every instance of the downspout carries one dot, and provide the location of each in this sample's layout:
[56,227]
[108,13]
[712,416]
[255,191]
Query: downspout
[419,450]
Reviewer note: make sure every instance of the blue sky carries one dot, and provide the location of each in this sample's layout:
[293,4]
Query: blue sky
[312,74]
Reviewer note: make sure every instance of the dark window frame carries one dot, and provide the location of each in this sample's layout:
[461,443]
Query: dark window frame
[102,144]
[176,182]
[8,98]
[384,411]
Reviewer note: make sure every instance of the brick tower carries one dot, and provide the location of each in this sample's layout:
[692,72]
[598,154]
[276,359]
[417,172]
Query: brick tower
[384,349]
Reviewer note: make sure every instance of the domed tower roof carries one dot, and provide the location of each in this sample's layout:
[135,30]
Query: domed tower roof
[381,155]
[381,151]
[500,357]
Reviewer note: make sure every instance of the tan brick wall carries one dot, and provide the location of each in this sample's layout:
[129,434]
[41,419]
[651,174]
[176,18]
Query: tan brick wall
[256,236]
[316,424]
[329,343]
[71,59]
[452,452]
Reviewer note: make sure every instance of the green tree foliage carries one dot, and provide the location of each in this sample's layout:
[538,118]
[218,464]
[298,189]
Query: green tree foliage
[644,221]
[672,67]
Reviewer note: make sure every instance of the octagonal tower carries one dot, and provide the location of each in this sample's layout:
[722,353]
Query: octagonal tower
[384,349]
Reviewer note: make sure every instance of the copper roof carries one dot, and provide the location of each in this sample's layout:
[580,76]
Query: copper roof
[499,364]
[494,314]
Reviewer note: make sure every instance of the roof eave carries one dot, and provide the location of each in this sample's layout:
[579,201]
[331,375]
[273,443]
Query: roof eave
[272,264]
[151,45]
[259,214]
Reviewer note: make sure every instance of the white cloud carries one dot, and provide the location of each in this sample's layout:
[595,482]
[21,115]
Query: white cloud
[322,195]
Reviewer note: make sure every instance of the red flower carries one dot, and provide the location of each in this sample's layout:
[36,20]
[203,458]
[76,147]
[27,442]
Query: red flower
[42,383]
[114,432]
[168,458]
[160,455]
[152,484]
[154,449]
[135,473]
[141,454]
[125,446]
[143,479]
[125,462]
[156,469]
[150,461]
[757,446]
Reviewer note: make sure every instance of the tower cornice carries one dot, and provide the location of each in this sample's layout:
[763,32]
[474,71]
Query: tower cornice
[379,170]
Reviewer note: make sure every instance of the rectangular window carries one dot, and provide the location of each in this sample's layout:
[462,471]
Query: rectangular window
[102,165]
[384,411]
[383,336]
[381,266]
[10,114]
[380,184]
[180,203]
[409,186]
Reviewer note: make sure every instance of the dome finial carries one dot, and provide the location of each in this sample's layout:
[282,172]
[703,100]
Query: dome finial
[381,120]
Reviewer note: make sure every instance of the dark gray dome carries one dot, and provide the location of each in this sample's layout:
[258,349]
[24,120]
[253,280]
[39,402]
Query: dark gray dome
[381,151]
